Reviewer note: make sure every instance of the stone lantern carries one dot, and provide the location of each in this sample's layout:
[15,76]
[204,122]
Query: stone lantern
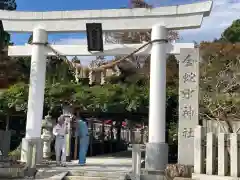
[47,136]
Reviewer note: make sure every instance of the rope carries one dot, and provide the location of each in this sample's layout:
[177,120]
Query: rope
[55,52]
[102,67]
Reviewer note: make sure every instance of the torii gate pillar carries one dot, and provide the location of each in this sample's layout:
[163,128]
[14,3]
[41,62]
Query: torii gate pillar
[37,84]
[157,149]
[36,94]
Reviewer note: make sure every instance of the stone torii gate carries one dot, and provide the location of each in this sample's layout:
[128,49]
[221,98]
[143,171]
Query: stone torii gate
[158,19]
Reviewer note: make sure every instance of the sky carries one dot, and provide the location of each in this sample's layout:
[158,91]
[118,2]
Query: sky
[222,15]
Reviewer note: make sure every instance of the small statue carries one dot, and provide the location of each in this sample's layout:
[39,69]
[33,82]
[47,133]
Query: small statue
[47,136]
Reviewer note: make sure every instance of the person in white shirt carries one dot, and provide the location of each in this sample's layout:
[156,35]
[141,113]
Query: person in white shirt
[59,131]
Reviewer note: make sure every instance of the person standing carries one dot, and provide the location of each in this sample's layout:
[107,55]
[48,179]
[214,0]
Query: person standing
[59,131]
[82,131]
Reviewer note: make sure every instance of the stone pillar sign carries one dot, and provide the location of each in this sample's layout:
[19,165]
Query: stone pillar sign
[188,103]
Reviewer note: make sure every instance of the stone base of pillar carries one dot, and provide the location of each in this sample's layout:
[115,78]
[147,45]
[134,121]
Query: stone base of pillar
[156,156]
[26,149]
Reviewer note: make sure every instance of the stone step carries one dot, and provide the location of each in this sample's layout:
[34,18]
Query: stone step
[84,173]
[55,177]
[92,173]
[47,174]
[93,178]
[85,178]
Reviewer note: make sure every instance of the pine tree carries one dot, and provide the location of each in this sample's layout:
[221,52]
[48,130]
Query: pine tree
[8,5]
[6,64]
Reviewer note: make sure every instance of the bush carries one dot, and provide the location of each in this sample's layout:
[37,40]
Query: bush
[16,154]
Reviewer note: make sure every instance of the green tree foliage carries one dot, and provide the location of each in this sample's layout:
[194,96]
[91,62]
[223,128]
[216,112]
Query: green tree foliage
[232,33]
[58,71]
[14,99]
[6,65]
[30,39]
[109,98]
[14,70]
[8,5]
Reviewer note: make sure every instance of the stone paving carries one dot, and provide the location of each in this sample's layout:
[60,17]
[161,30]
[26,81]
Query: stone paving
[105,167]
[111,166]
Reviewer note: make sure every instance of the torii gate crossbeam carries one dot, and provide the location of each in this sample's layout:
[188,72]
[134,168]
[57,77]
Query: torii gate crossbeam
[139,19]
[109,50]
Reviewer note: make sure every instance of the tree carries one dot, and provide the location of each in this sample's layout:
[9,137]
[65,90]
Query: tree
[13,101]
[8,5]
[6,63]
[232,33]
[30,39]
[220,84]
[15,97]
[111,98]
[220,79]
[14,70]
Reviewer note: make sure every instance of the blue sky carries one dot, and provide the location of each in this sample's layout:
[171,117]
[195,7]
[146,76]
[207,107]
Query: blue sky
[53,5]
[223,13]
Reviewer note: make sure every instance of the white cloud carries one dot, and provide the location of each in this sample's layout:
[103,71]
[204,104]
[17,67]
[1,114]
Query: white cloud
[72,41]
[224,12]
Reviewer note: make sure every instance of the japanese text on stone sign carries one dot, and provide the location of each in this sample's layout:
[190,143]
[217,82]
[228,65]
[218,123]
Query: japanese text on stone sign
[186,93]
[187,112]
[189,77]
[188,61]
[188,133]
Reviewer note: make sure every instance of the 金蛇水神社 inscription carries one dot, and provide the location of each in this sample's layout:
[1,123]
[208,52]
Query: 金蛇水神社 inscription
[189,77]
[187,93]
[188,133]
[187,112]
[188,61]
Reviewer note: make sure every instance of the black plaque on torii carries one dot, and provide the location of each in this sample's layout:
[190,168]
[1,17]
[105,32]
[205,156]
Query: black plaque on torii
[94,36]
